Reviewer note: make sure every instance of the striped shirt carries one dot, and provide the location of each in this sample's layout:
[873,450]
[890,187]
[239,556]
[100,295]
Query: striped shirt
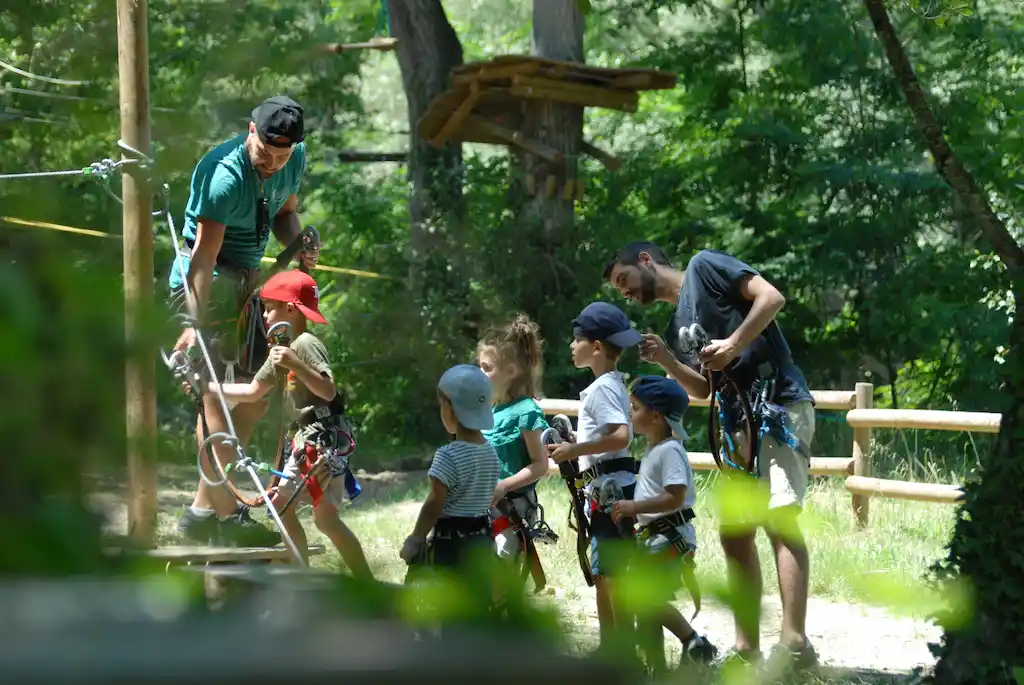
[470,471]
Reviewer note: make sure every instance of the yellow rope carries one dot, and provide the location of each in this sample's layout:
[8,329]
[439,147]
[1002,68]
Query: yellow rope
[114,236]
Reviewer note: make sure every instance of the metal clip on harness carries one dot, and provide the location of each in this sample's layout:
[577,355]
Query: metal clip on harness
[561,431]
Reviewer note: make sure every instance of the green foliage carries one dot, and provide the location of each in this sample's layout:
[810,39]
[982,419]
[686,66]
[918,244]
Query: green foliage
[785,143]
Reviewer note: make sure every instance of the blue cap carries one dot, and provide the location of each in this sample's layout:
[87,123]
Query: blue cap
[603,321]
[469,390]
[666,397]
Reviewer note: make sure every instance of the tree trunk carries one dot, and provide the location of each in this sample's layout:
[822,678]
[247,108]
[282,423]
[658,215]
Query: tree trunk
[985,549]
[427,50]
[546,222]
[557,34]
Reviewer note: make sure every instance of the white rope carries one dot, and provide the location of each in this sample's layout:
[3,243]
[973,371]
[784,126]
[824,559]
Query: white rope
[37,77]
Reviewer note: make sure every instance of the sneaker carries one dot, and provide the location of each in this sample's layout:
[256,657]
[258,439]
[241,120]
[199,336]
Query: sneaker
[698,649]
[736,661]
[784,660]
[241,530]
[198,527]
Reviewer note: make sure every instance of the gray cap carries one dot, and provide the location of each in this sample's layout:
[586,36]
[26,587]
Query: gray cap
[469,390]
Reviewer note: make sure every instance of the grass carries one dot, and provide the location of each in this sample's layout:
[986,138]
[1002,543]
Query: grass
[902,539]
[881,565]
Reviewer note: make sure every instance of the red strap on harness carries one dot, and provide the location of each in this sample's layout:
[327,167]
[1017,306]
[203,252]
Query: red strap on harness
[316,492]
[500,524]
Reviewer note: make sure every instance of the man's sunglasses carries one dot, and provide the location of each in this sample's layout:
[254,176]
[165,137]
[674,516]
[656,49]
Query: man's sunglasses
[262,220]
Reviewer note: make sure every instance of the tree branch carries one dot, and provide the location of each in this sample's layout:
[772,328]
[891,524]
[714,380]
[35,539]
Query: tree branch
[946,162]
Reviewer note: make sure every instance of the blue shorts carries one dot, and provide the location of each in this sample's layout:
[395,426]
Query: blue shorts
[616,543]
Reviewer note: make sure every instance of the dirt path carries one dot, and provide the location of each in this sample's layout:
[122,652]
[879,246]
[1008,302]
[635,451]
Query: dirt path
[846,636]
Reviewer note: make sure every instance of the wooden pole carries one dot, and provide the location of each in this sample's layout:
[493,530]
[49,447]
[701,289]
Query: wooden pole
[140,367]
[862,453]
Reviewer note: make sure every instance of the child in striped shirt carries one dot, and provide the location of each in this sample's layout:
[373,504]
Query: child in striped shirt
[463,476]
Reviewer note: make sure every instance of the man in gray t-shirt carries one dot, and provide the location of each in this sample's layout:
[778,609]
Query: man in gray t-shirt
[736,306]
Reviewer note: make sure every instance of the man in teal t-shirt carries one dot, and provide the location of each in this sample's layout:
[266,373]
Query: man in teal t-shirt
[241,190]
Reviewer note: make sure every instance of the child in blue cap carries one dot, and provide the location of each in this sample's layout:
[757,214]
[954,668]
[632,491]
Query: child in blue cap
[663,507]
[600,333]
[462,477]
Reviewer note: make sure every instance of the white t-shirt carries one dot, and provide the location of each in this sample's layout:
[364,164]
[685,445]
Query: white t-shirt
[604,404]
[666,464]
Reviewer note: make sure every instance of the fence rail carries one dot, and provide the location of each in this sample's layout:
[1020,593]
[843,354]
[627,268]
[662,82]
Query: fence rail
[856,469]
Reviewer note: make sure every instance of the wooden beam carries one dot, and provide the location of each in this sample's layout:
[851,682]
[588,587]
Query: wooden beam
[382,43]
[458,117]
[188,554]
[823,399]
[610,162]
[137,219]
[703,461]
[925,419]
[492,72]
[516,138]
[573,93]
[898,489]
[862,454]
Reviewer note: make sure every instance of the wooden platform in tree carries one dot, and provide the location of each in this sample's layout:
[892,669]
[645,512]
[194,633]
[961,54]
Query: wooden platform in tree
[494,92]
[487,101]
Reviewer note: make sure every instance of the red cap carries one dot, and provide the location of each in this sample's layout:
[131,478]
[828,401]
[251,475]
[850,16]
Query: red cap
[297,288]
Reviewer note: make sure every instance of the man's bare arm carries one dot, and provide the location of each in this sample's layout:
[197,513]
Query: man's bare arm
[768,302]
[209,238]
[286,222]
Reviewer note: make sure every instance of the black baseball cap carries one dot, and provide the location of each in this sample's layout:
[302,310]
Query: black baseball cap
[603,321]
[279,116]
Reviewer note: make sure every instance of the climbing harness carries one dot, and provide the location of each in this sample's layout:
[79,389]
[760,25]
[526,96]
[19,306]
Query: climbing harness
[750,413]
[668,526]
[329,455]
[528,535]
[561,431]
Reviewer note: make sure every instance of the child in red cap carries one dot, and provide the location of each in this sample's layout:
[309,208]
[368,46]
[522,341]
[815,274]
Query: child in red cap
[312,402]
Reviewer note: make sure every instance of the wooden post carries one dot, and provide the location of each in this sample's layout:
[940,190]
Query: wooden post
[140,367]
[862,452]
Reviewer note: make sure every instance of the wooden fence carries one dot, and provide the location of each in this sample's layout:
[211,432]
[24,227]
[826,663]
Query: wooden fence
[857,468]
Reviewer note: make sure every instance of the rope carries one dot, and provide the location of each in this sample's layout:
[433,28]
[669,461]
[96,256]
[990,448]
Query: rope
[37,77]
[114,236]
[101,169]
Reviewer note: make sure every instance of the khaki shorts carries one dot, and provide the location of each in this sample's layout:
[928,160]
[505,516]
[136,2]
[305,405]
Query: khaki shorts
[744,501]
[230,293]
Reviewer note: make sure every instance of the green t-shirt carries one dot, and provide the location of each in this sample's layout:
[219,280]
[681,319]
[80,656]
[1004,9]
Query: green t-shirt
[313,353]
[522,414]
[225,188]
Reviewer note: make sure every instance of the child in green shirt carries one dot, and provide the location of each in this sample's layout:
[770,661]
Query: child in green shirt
[511,357]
